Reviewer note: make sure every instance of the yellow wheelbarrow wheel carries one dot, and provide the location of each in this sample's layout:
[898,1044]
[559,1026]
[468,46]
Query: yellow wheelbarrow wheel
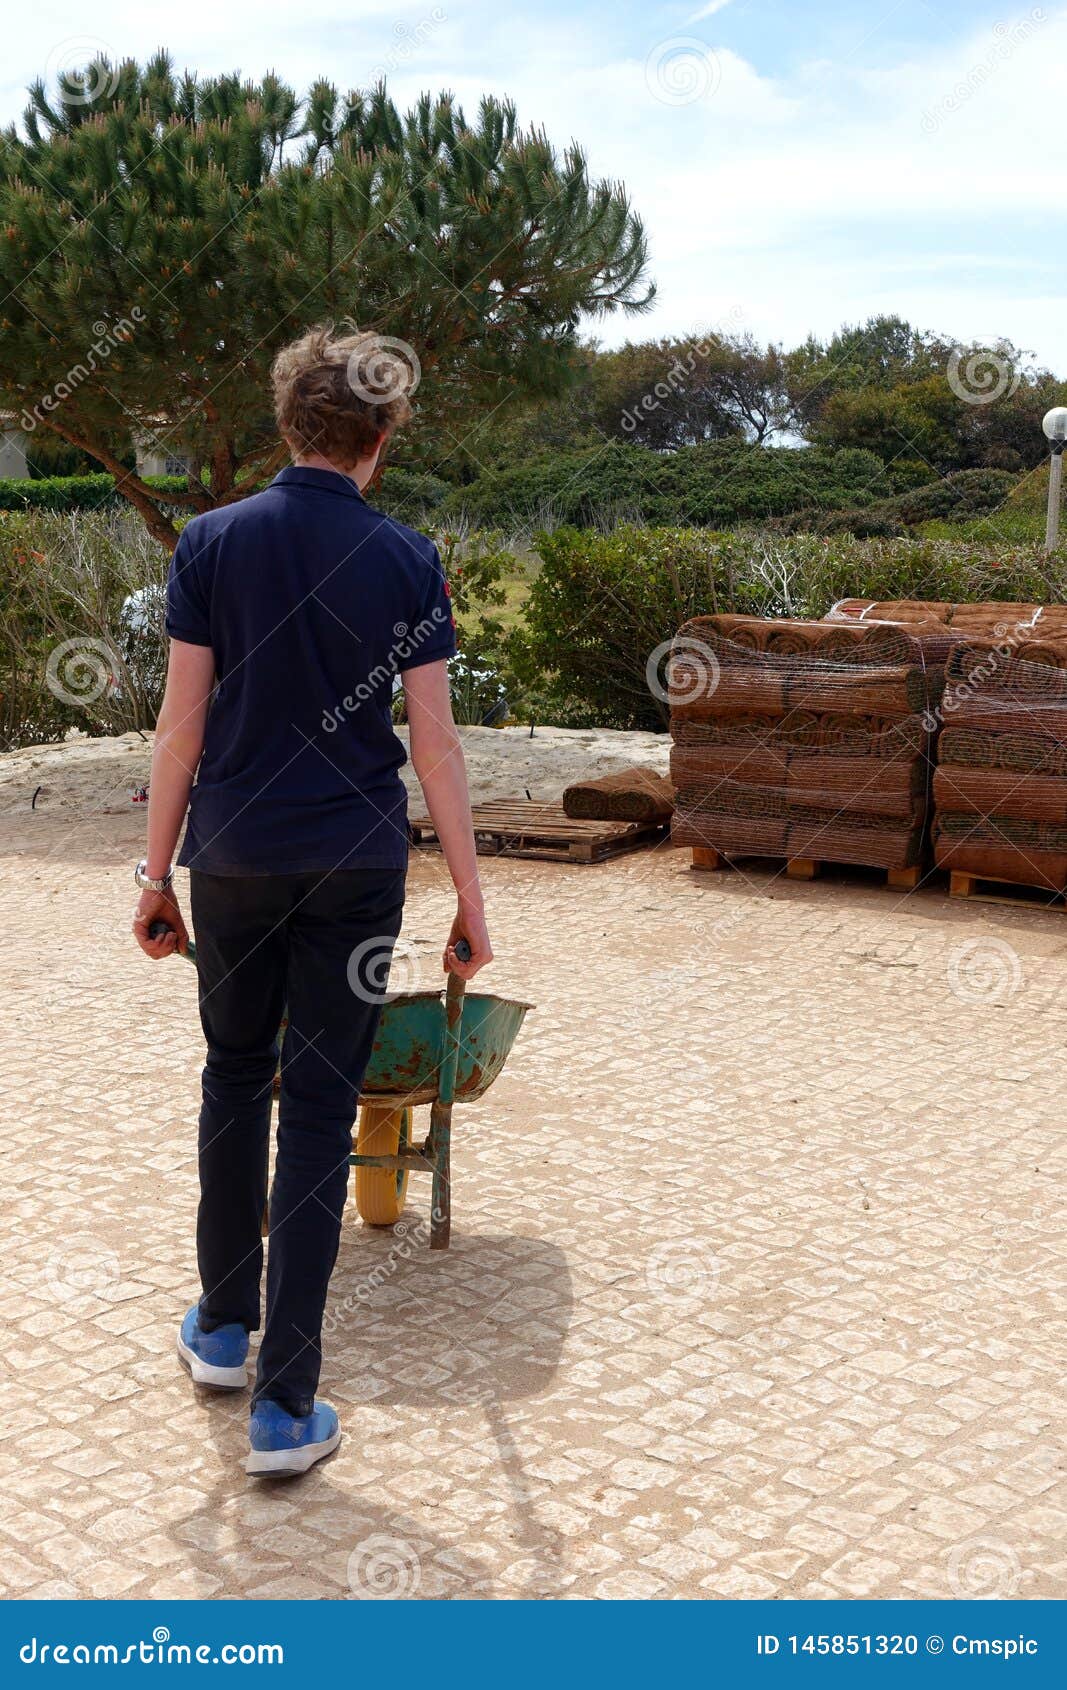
[384,1130]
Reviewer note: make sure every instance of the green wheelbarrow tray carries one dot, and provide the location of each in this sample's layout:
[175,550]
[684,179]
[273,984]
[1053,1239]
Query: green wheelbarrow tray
[436,1047]
[408,1056]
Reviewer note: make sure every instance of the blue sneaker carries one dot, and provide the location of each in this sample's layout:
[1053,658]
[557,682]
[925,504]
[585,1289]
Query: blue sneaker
[214,1358]
[282,1445]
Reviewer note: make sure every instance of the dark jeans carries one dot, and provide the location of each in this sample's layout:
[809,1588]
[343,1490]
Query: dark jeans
[316,947]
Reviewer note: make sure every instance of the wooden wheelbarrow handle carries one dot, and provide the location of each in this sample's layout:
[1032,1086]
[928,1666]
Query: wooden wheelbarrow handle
[159,930]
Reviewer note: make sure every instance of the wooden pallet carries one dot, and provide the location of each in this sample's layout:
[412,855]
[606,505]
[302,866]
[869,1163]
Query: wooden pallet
[806,868]
[986,889]
[518,827]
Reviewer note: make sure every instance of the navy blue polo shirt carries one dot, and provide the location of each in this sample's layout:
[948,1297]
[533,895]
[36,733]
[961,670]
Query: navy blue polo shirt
[312,603]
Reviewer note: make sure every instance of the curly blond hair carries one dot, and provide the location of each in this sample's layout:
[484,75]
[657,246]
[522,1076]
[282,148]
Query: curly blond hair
[337,393]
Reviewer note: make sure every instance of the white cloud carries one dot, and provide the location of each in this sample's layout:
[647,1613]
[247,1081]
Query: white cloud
[708,11]
[919,183]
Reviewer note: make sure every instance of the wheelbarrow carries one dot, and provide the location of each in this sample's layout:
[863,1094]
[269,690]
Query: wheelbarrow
[436,1048]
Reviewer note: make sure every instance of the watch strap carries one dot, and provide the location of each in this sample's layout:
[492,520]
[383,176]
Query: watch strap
[147,883]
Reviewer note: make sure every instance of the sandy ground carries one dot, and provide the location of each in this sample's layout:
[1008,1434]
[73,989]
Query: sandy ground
[757,1276]
[97,776]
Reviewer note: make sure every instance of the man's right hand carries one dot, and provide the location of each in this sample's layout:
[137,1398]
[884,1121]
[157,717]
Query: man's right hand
[470,925]
[162,907]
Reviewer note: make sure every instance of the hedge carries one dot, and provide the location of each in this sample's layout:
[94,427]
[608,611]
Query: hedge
[75,492]
[717,485]
[409,495]
[962,497]
[965,494]
[603,604]
[721,485]
[406,494]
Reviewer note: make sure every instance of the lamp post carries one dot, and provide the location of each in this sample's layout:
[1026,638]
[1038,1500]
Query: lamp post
[1054,423]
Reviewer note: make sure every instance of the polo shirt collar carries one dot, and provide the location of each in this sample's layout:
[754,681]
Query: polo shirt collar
[322,480]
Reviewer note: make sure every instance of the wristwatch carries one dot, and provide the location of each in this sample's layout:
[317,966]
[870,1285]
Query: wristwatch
[145,881]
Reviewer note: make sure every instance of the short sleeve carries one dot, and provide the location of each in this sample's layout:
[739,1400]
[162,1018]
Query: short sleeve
[432,636]
[188,602]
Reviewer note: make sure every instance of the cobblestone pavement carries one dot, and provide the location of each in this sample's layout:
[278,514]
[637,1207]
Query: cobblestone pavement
[756,1285]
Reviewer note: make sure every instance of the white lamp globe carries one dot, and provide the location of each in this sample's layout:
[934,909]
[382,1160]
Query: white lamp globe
[1054,423]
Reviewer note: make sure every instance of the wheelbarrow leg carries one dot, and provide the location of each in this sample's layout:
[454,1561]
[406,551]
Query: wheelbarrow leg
[440,1139]
[441,1202]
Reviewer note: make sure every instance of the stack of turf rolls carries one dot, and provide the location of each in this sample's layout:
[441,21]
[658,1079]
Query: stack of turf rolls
[1035,633]
[804,739]
[1000,788]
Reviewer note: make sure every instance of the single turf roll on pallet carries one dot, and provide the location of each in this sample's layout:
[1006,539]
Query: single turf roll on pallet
[629,795]
[808,741]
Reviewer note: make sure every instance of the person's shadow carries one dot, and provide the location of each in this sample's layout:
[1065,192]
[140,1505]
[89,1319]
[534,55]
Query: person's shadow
[480,1326]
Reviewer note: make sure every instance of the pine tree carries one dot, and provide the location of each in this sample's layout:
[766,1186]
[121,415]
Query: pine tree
[162,236]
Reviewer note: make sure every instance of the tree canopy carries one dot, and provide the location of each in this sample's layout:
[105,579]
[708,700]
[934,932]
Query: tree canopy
[162,235]
[925,405]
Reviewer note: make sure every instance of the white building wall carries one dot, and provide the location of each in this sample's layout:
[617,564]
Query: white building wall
[13,466]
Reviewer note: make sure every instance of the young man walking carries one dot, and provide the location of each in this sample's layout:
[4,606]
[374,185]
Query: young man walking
[289,616]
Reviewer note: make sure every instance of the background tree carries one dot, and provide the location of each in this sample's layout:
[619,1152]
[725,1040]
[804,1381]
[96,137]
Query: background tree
[664,394]
[926,405]
[671,393]
[882,353]
[161,237]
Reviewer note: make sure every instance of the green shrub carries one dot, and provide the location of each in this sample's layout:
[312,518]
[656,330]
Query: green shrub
[75,492]
[905,474]
[74,650]
[409,495]
[1019,519]
[959,498]
[1006,527]
[967,493]
[717,485]
[603,605]
[870,522]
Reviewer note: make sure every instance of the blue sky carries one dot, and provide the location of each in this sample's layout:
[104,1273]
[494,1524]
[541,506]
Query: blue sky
[797,165]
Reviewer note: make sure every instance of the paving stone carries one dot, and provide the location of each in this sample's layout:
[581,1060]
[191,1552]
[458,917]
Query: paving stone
[755,1287]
